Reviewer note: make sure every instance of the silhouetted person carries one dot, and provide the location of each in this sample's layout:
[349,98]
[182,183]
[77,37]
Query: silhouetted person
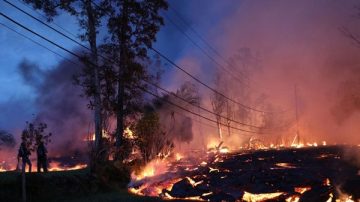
[41,157]
[24,154]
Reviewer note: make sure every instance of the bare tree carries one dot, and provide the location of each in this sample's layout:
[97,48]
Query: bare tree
[218,103]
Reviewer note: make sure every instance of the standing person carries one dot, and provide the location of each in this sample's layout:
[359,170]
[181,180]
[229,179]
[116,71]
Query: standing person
[41,156]
[24,154]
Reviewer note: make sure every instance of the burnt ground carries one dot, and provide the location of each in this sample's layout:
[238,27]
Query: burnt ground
[63,186]
[324,172]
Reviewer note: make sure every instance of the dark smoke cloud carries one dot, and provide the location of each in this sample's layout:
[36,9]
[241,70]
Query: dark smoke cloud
[31,73]
[59,103]
[7,140]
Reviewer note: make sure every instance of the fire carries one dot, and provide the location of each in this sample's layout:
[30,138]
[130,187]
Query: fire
[178,156]
[203,163]
[129,134]
[151,169]
[249,197]
[292,199]
[326,182]
[330,197]
[301,190]
[285,165]
[2,169]
[157,180]
[194,198]
[91,137]
[55,166]
[345,198]
[300,145]
[224,150]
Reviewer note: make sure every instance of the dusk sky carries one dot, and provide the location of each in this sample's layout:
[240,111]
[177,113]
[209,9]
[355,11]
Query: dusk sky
[295,40]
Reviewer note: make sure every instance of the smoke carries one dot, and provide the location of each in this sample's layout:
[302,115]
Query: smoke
[297,42]
[59,104]
[7,140]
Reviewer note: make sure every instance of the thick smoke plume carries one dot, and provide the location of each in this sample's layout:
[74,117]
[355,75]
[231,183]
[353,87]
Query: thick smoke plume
[59,104]
[298,43]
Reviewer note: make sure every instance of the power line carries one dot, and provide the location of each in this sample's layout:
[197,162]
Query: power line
[199,81]
[217,53]
[38,44]
[205,53]
[141,88]
[204,40]
[52,22]
[38,20]
[194,113]
[207,86]
[90,50]
[241,123]
[29,30]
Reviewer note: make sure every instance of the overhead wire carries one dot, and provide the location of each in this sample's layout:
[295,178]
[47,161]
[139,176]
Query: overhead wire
[62,34]
[203,83]
[141,88]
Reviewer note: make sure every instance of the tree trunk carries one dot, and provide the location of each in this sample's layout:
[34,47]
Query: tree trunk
[219,130]
[123,62]
[229,129]
[96,80]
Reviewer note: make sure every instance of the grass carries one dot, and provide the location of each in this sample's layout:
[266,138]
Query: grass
[75,186]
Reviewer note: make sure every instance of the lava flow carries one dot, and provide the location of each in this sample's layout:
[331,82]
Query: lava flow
[300,173]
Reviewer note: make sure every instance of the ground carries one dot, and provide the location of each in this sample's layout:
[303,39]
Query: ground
[323,173]
[305,174]
[73,186]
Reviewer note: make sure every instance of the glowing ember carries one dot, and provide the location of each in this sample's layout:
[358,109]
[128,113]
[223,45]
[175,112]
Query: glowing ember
[292,199]
[249,197]
[330,197]
[213,170]
[199,177]
[326,182]
[224,150]
[128,134]
[285,165]
[301,190]
[178,156]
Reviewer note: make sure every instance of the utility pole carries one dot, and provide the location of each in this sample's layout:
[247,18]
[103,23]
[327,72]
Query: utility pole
[296,115]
